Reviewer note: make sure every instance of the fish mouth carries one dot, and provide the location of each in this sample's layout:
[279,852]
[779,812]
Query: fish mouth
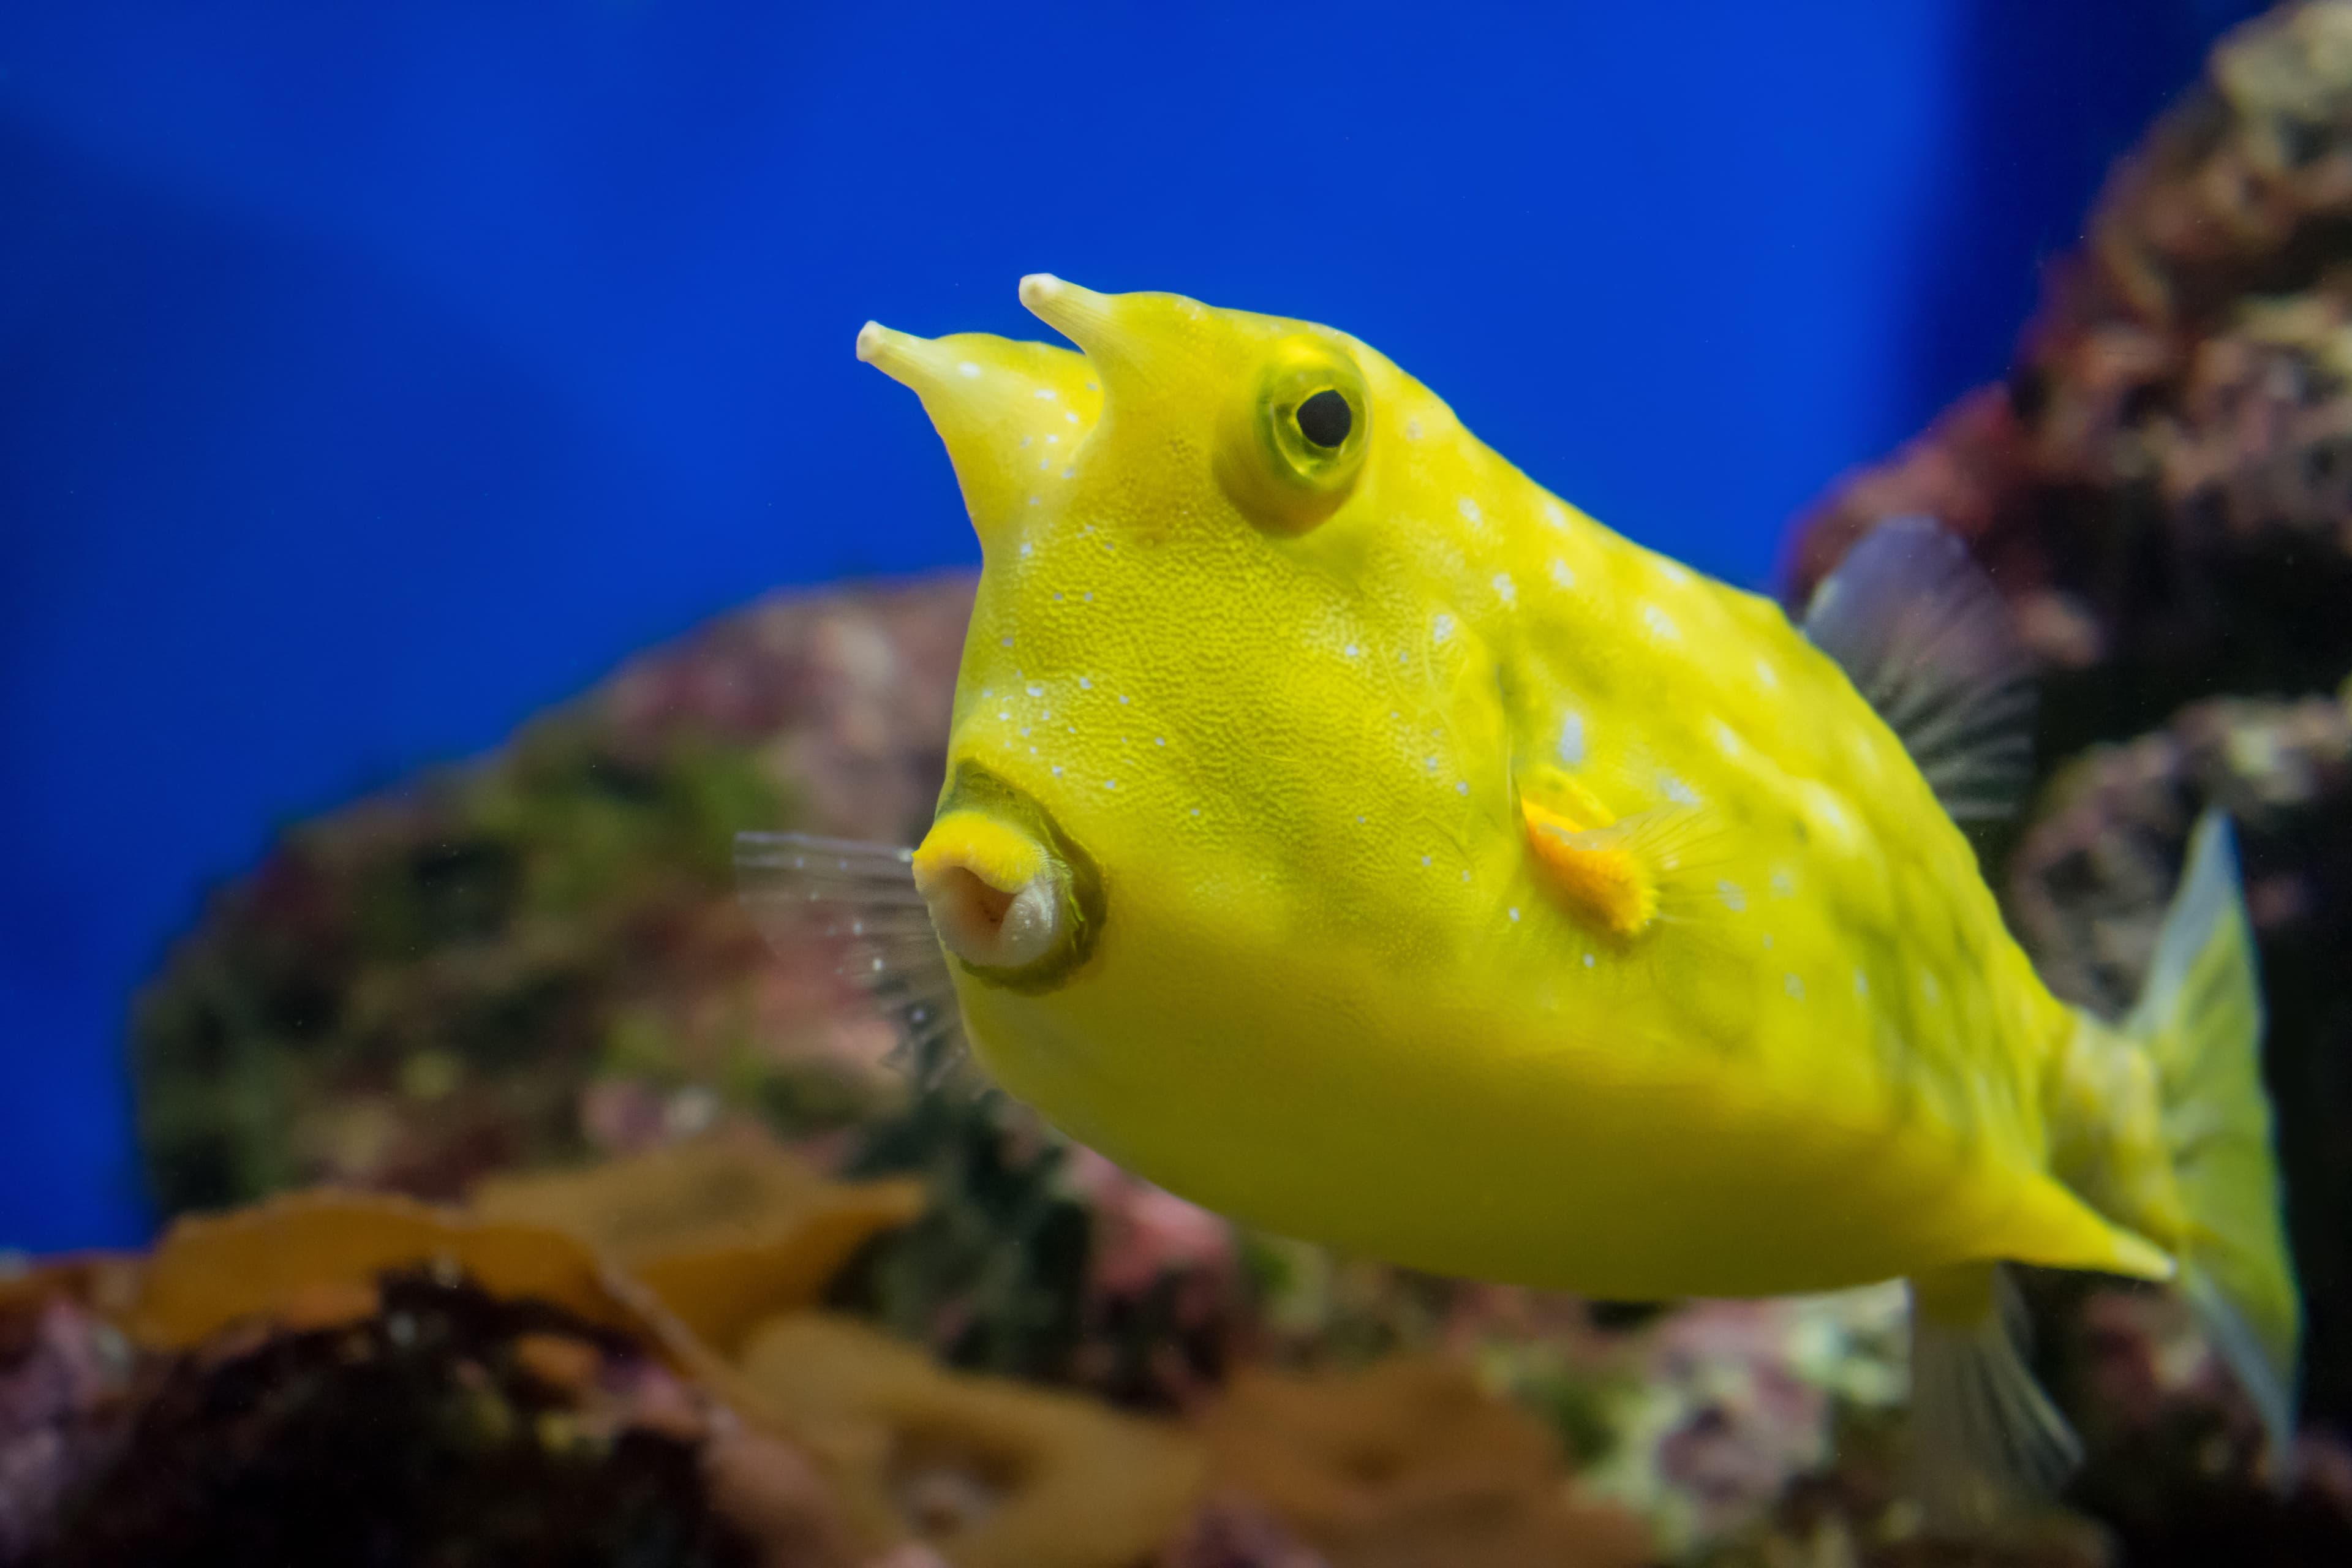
[1011,896]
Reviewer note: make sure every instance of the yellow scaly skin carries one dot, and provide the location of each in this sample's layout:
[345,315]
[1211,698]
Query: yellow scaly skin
[1334,988]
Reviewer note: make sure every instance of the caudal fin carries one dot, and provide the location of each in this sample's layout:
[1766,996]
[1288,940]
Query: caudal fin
[2199,1020]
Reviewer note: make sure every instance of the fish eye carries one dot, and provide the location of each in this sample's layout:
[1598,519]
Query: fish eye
[1325,418]
[1290,448]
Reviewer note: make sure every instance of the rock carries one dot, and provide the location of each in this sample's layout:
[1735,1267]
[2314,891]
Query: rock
[2162,487]
[539,955]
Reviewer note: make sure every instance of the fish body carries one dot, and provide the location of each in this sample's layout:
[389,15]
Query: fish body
[1349,835]
[1337,996]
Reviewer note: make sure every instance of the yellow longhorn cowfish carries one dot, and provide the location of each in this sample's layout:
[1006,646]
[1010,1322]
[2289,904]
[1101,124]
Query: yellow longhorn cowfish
[1346,834]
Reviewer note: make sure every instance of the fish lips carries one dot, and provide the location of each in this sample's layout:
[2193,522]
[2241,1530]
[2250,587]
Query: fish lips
[1016,901]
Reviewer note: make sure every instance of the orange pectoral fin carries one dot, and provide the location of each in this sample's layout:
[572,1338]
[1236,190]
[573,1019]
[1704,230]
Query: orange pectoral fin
[1595,868]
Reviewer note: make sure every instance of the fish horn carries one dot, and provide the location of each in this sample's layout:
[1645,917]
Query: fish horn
[1124,334]
[995,404]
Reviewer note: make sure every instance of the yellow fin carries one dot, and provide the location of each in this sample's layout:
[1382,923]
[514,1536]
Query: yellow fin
[2199,1019]
[1597,868]
[1671,862]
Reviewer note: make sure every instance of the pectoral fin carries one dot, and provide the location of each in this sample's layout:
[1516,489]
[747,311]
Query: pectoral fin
[1600,871]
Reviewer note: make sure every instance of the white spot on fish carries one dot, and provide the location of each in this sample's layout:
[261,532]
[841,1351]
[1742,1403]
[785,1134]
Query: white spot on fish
[1122,699]
[1734,898]
[1088,596]
[1352,650]
[1515,913]
[1465,874]
[1432,765]
[1163,740]
[1071,473]
[1084,684]
[1462,787]
[1196,811]
[1727,738]
[1769,677]
[1661,625]
[1026,439]
[1561,577]
[1861,983]
[968,369]
[1674,572]
[1675,790]
[1572,739]
[1110,783]
[1033,501]
[1036,689]
[1053,440]
[1468,509]
[1413,429]
[1006,641]
[1587,961]
[1045,392]
[1553,515]
[1504,587]
[1442,628]
[1768,942]
[1057,770]
[1784,885]
[1071,417]
[1027,549]
[1793,987]
[1425,859]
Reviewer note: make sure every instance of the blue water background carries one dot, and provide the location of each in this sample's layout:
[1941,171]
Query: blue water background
[374,374]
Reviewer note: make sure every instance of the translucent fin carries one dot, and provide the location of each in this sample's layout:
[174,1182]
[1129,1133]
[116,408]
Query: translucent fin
[858,902]
[2199,1019]
[1985,1438]
[1918,627]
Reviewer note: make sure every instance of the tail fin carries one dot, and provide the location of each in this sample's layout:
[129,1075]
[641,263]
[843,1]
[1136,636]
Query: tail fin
[2199,1020]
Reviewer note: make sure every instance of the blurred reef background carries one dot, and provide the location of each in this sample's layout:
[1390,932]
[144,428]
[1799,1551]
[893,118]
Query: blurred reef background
[637,1251]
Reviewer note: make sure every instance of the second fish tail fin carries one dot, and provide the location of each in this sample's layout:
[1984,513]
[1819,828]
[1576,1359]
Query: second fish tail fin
[2199,1021]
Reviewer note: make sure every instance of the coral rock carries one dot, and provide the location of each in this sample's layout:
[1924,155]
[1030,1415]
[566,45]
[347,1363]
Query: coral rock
[991,1473]
[727,1232]
[1408,1464]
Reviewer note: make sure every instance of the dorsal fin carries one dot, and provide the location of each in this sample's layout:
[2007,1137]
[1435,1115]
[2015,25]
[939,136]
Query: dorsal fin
[1918,627]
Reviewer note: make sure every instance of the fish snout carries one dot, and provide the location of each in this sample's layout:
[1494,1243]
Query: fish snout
[997,897]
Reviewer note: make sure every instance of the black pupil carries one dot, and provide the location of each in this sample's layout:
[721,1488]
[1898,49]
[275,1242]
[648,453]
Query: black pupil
[1326,419]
